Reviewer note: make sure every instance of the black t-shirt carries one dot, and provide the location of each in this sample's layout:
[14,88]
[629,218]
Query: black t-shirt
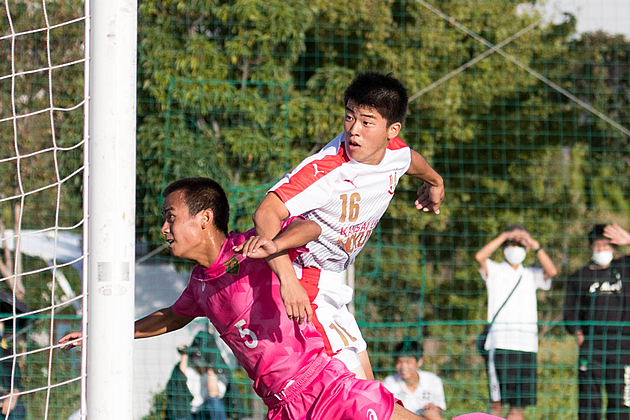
[6,368]
[600,297]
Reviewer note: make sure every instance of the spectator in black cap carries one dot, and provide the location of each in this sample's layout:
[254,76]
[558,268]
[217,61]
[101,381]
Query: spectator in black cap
[512,341]
[421,392]
[198,382]
[597,301]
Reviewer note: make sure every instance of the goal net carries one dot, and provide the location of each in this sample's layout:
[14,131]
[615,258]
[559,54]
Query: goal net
[42,107]
[45,101]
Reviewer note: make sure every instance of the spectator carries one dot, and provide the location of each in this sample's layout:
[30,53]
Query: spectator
[196,385]
[420,392]
[513,338]
[9,368]
[597,296]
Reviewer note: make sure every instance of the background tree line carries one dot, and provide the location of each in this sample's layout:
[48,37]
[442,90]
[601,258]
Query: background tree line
[242,90]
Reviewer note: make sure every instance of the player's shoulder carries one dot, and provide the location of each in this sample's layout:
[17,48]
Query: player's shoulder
[396,144]
[327,159]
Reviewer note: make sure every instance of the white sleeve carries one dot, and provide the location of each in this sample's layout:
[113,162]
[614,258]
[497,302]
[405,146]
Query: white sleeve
[539,279]
[490,267]
[309,185]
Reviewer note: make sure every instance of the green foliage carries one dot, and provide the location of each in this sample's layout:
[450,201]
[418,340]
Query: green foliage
[243,90]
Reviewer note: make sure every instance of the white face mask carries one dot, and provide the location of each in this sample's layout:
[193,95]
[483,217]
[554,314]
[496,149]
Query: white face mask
[514,254]
[602,258]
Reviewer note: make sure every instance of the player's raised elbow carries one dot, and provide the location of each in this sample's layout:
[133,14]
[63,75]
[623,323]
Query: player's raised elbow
[271,209]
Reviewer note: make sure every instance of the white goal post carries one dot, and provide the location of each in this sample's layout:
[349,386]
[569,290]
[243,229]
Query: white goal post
[110,197]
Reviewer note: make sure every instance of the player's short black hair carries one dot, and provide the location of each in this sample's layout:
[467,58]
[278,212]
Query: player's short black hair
[408,348]
[381,92]
[201,194]
[597,233]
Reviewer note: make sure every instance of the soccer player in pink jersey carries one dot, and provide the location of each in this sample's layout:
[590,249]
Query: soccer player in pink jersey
[345,188]
[291,371]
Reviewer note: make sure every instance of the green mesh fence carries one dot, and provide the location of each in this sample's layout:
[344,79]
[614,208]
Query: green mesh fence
[526,118]
[527,121]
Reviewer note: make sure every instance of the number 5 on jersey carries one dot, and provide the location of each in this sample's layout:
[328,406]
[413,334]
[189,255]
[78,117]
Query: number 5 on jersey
[349,208]
[247,334]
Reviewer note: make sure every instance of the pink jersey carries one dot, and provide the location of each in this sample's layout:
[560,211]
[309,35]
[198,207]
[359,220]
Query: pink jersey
[345,197]
[241,297]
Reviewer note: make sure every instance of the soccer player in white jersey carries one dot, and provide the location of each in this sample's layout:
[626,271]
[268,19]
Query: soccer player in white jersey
[345,188]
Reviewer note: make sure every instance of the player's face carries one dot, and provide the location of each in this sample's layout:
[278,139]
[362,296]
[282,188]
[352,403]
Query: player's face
[601,245]
[367,134]
[182,231]
[407,367]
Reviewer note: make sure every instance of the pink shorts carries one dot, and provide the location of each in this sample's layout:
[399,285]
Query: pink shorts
[335,394]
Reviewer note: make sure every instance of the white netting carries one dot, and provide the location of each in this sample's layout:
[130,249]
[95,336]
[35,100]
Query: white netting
[42,107]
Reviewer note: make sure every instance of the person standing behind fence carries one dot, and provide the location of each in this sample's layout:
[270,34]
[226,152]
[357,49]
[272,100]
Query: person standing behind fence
[513,338]
[597,299]
[421,392]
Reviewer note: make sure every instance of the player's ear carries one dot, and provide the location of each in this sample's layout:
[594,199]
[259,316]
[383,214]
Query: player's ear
[393,130]
[207,218]
[419,362]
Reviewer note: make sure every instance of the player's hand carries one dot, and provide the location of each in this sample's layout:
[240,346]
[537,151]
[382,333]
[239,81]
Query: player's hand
[429,198]
[617,235]
[296,301]
[69,339]
[257,247]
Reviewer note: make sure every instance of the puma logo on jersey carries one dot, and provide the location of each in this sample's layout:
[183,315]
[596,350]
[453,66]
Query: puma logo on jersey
[371,415]
[317,171]
[351,181]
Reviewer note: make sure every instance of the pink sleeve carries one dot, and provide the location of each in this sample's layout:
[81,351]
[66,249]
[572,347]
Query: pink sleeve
[186,305]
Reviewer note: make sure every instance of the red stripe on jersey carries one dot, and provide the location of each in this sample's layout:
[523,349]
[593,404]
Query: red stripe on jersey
[396,143]
[310,173]
[310,282]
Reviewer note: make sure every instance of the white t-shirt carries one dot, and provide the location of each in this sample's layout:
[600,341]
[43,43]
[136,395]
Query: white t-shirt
[516,326]
[429,390]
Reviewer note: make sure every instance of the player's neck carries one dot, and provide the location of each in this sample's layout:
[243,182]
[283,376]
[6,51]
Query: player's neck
[413,382]
[212,248]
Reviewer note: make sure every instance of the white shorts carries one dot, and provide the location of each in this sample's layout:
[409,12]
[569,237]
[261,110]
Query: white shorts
[329,295]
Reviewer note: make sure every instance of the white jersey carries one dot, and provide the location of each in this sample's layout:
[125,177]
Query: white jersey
[345,197]
[429,390]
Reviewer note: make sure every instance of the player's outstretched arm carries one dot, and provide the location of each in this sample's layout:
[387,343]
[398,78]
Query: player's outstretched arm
[268,222]
[297,234]
[159,322]
[431,192]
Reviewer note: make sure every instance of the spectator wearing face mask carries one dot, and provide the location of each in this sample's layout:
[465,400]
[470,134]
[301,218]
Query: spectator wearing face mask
[512,341]
[597,301]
